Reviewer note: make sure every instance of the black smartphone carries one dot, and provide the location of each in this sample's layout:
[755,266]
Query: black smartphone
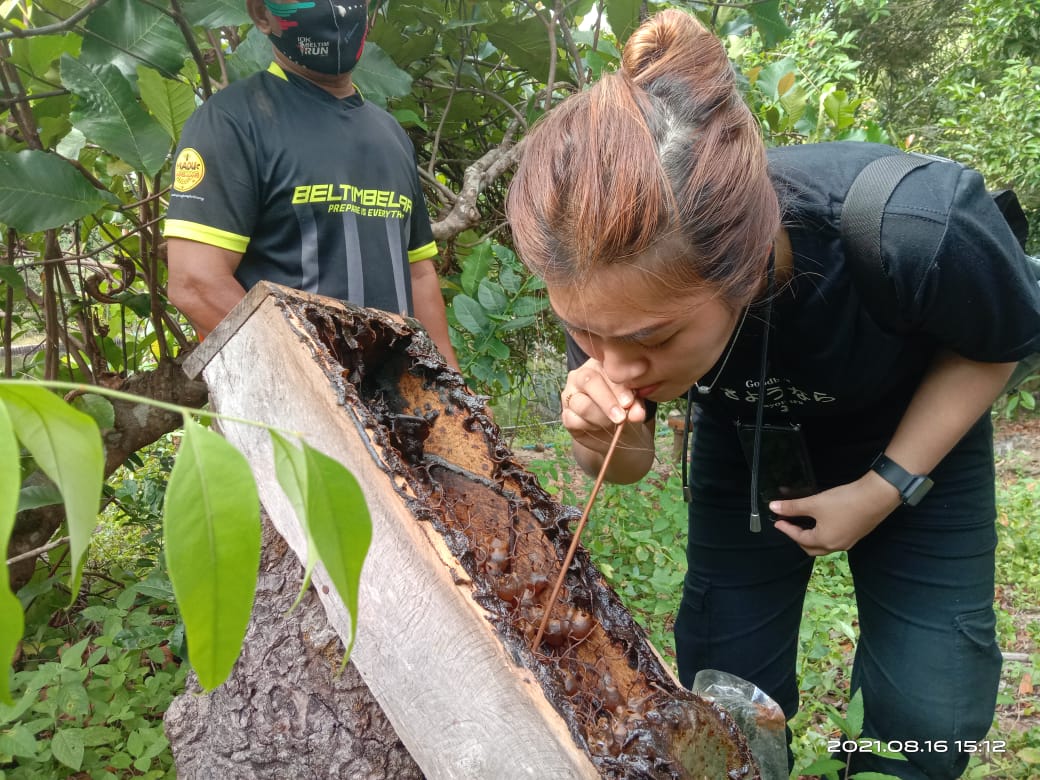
[784,468]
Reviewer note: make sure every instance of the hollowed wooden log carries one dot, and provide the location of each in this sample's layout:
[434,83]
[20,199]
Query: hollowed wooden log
[466,546]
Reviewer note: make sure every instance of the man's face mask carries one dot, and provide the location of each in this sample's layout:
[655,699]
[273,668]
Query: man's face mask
[323,35]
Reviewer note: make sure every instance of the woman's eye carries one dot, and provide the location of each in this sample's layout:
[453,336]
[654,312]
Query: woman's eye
[656,344]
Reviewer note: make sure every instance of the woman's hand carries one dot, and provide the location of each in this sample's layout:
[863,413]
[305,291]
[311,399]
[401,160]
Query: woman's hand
[844,514]
[592,408]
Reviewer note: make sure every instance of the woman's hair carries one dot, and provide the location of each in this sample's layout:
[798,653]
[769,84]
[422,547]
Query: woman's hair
[665,149]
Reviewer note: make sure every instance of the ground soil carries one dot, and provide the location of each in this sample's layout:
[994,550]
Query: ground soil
[1017,444]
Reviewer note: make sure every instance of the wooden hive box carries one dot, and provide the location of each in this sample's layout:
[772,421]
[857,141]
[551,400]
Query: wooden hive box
[465,543]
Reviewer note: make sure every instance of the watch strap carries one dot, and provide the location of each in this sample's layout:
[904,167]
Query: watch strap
[912,487]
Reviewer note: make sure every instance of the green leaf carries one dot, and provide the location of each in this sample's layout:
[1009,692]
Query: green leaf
[127,33]
[623,16]
[121,760]
[516,323]
[216,13]
[71,699]
[837,106]
[338,519]
[525,42]
[406,46]
[171,102]
[1028,755]
[529,305]
[12,621]
[795,102]
[290,466]
[135,744]
[14,712]
[39,53]
[93,736]
[476,267]
[39,191]
[67,447]
[11,276]
[108,114]
[822,766]
[378,78]
[854,715]
[496,349]
[211,530]
[492,297]
[97,407]
[406,117]
[470,314]
[19,741]
[509,279]
[67,747]
[770,78]
[139,303]
[252,55]
[35,496]
[769,22]
[71,145]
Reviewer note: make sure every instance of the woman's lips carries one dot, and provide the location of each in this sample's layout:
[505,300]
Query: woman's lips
[645,392]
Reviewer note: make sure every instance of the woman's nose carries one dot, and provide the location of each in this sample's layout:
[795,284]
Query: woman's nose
[623,365]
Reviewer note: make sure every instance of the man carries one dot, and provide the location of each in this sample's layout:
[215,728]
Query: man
[291,176]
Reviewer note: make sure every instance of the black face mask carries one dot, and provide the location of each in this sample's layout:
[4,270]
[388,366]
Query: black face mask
[321,35]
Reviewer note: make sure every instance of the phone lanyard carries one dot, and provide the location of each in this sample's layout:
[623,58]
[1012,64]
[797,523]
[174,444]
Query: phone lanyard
[755,519]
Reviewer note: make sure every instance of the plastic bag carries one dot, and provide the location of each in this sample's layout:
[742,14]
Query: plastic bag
[758,716]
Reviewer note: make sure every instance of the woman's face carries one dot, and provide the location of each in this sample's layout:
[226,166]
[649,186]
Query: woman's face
[656,345]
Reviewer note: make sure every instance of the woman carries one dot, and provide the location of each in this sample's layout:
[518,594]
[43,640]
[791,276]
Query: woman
[683,259]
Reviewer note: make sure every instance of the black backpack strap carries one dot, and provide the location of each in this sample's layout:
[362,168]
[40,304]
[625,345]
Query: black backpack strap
[861,218]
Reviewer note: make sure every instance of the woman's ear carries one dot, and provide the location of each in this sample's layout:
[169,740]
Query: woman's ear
[260,15]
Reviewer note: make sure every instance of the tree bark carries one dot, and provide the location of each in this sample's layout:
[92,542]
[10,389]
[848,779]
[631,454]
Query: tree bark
[285,711]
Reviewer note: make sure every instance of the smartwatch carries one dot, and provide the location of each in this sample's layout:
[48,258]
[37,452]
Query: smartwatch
[912,487]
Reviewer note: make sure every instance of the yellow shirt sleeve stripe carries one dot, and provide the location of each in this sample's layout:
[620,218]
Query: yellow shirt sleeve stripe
[193,231]
[423,252]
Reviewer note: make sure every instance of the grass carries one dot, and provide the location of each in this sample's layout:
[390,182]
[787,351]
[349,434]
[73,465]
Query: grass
[92,682]
[636,535]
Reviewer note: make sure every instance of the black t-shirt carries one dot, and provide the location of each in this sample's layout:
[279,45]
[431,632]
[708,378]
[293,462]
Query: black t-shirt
[961,282]
[319,193]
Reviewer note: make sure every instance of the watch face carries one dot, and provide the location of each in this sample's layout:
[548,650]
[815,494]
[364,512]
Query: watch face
[916,490]
[912,487]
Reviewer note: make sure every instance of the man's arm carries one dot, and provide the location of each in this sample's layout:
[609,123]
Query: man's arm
[202,283]
[428,304]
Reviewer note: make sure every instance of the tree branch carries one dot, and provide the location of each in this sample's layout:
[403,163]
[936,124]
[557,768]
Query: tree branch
[38,551]
[189,38]
[478,176]
[49,29]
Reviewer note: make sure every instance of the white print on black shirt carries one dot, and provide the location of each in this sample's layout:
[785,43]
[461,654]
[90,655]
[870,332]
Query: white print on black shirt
[781,395]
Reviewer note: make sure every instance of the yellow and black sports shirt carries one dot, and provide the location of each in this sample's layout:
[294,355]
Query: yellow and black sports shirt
[318,193]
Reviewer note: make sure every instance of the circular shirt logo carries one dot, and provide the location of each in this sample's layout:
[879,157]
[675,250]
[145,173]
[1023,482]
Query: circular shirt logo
[189,170]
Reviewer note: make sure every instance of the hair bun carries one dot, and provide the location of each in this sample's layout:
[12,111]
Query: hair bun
[675,43]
